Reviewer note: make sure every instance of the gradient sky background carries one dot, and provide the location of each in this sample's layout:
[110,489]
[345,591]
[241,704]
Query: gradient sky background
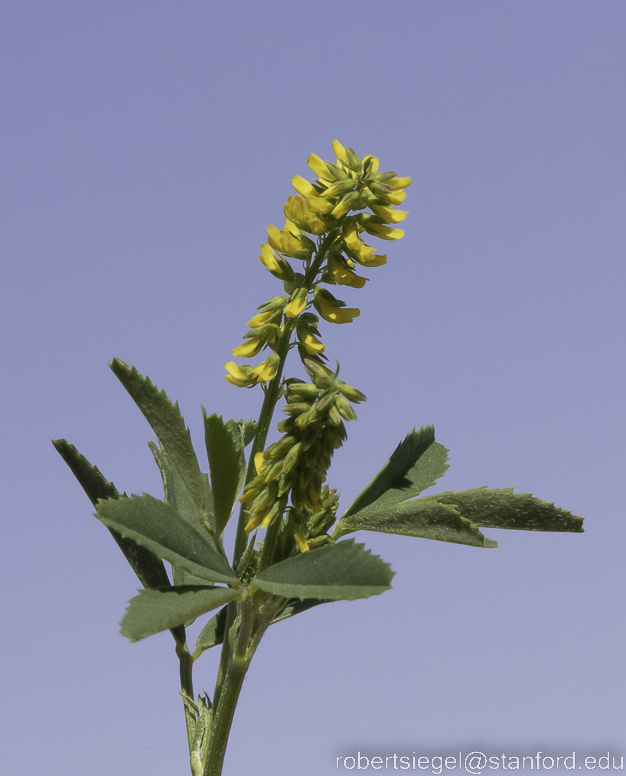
[146,146]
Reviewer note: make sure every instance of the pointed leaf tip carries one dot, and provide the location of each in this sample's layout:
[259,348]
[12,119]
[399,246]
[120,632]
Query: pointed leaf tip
[165,419]
[416,464]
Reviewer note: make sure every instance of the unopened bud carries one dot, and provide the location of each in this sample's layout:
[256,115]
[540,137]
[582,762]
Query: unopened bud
[345,408]
[350,392]
[291,458]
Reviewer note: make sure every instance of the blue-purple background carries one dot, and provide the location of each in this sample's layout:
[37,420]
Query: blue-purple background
[146,146]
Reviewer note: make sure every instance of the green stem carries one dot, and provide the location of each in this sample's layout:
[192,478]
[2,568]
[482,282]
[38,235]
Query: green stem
[223,720]
[185,661]
[272,395]
[238,647]
[271,536]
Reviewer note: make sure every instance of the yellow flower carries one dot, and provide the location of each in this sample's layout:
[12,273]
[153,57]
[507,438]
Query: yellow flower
[302,186]
[253,523]
[288,243]
[319,167]
[357,249]
[249,348]
[301,540]
[311,343]
[340,152]
[374,162]
[398,183]
[351,201]
[297,212]
[260,318]
[340,188]
[379,230]
[297,303]
[391,197]
[323,302]
[265,371]
[259,462]
[344,276]
[319,205]
[268,258]
[389,214]
[237,376]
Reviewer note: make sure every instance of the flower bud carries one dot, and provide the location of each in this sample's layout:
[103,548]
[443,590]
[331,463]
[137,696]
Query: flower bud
[350,201]
[340,188]
[303,389]
[291,458]
[350,392]
[345,409]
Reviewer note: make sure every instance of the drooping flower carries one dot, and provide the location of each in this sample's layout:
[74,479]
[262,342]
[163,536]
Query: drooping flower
[297,303]
[330,309]
[249,347]
[297,246]
[357,249]
[240,376]
[266,370]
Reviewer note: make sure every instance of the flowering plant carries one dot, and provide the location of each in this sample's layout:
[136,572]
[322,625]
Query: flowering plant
[299,560]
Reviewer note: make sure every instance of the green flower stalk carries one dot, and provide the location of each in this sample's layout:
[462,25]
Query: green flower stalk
[288,552]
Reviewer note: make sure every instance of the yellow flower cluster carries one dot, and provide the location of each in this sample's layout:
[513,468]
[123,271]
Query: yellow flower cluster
[295,466]
[331,209]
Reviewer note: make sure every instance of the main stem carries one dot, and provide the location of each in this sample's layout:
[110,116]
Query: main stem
[237,650]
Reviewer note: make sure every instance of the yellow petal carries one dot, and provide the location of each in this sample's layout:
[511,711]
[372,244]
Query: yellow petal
[248,348]
[319,167]
[260,318]
[389,214]
[340,152]
[385,232]
[398,183]
[297,304]
[302,186]
[312,344]
[375,162]
[301,541]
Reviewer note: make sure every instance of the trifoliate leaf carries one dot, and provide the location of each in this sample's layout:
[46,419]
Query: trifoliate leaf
[159,609]
[425,518]
[167,423]
[157,526]
[416,464]
[148,568]
[342,571]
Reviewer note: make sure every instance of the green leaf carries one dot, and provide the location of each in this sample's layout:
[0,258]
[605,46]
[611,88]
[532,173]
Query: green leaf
[416,464]
[177,494]
[342,571]
[504,509]
[176,491]
[157,526]
[160,609]
[167,423]
[213,632]
[295,606]
[148,568]
[227,464]
[425,518]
